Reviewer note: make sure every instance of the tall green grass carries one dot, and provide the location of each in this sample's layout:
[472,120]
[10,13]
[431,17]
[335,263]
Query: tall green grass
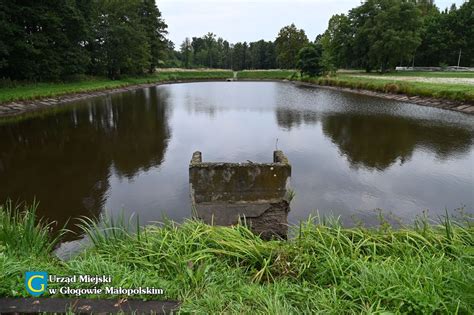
[325,268]
[22,233]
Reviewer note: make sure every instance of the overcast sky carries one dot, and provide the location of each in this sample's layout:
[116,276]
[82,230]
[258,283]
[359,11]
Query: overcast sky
[252,20]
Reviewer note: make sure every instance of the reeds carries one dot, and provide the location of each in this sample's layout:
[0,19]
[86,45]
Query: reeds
[22,233]
[325,268]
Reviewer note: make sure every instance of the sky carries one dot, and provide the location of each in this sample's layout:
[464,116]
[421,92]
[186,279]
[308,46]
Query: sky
[252,20]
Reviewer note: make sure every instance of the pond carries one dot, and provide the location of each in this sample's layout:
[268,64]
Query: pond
[129,152]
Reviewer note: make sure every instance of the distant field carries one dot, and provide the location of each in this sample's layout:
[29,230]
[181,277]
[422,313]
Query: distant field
[432,74]
[447,89]
[426,74]
[267,74]
[424,79]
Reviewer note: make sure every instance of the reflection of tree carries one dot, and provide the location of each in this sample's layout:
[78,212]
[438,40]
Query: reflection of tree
[376,142]
[139,137]
[290,118]
[65,160]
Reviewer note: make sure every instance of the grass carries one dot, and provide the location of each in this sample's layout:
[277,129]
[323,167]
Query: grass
[428,74]
[456,92]
[21,232]
[408,73]
[43,90]
[377,82]
[325,268]
[381,82]
[267,74]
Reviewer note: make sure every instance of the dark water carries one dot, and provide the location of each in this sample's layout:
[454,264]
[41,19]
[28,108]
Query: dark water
[130,152]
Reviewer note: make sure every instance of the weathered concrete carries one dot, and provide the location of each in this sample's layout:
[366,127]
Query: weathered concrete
[223,193]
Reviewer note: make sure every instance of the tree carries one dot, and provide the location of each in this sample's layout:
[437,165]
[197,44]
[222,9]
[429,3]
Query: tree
[155,29]
[122,40]
[337,40]
[445,35]
[262,55]
[238,56]
[186,52]
[288,43]
[393,33]
[309,60]
[54,40]
[210,46]
[42,40]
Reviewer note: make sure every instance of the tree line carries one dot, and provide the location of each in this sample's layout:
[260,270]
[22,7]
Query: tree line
[58,39]
[377,35]
[383,34]
[212,52]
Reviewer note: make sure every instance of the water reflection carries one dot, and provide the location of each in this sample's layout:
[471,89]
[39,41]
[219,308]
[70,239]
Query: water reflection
[290,118]
[364,141]
[65,160]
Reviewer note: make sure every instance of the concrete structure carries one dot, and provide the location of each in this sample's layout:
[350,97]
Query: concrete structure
[221,193]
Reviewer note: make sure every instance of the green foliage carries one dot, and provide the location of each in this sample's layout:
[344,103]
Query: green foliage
[288,43]
[42,40]
[445,35]
[309,60]
[186,52]
[262,55]
[381,34]
[392,35]
[21,234]
[336,42]
[324,268]
[56,40]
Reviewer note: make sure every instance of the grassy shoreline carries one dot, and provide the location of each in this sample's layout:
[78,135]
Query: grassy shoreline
[383,84]
[34,91]
[266,74]
[324,268]
[459,92]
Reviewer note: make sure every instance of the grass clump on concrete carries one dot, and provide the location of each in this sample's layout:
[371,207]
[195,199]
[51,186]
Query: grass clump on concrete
[324,267]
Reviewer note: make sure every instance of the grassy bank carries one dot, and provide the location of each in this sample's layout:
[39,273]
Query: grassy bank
[24,91]
[384,83]
[428,74]
[267,74]
[396,82]
[324,268]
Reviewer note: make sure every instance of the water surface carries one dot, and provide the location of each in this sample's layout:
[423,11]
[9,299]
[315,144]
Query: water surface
[130,152]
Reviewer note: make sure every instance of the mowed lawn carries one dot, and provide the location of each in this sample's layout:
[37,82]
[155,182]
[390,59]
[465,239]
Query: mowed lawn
[457,86]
